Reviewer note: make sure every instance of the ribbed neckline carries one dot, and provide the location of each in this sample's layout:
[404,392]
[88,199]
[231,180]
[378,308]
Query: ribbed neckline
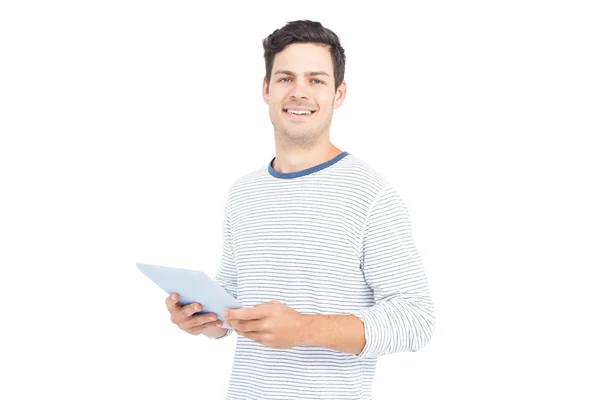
[291,175]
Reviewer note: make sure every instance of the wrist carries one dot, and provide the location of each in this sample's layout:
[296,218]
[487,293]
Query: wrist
[310,328]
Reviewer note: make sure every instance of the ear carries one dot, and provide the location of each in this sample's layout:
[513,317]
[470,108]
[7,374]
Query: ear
[340,95]
[265,90]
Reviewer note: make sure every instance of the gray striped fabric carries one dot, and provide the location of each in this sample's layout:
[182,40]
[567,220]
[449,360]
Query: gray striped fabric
[332,239]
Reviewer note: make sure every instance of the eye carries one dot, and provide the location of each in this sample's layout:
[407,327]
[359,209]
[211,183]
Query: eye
[282,79]
[318,81]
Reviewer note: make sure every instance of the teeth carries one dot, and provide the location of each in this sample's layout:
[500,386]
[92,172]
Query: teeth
[299,112]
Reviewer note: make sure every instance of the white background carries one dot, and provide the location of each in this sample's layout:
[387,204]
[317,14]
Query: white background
[124,122]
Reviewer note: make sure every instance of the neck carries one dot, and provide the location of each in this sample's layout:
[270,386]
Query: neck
[294,159]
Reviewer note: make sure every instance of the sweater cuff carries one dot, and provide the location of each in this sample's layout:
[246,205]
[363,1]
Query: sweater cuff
[221,337]
[370,340]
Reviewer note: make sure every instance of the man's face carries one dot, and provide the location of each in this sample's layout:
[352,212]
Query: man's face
[301,93]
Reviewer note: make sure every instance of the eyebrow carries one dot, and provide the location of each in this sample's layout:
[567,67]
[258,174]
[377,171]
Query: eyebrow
[288,72]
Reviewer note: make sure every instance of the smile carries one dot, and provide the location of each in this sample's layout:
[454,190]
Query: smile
[298,115]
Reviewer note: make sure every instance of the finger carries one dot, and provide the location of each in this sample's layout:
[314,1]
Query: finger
[172,302]
[191,309]
[245,313]
[255,325]
[184,313]
[200,320]
[195,330]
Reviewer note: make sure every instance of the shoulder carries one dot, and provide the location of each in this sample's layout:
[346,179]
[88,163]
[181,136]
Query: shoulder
[247,181]
[370,181]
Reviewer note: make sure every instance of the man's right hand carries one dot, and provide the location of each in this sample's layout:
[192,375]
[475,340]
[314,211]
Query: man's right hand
[182,316]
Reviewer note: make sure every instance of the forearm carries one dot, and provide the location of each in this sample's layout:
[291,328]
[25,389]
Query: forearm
[345,333]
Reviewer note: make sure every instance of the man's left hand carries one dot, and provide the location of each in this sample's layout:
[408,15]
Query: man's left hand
[272,324]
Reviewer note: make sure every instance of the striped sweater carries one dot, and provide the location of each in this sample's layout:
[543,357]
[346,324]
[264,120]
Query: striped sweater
[331,239]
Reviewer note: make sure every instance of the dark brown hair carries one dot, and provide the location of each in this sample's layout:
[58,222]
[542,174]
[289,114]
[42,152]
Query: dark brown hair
[305,31]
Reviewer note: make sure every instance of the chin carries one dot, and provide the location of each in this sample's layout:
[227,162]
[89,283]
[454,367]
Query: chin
[299,135]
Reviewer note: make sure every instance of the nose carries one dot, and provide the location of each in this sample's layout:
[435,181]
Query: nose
[299,91]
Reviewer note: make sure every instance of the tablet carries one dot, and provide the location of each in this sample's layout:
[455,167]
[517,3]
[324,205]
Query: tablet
[192,287]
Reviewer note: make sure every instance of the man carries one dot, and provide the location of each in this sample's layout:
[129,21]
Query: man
[317,246]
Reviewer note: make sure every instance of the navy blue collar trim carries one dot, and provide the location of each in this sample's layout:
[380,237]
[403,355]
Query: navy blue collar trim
[291,175]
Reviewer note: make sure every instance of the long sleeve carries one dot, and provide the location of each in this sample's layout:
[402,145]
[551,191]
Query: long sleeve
[227,274]
[402,318]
